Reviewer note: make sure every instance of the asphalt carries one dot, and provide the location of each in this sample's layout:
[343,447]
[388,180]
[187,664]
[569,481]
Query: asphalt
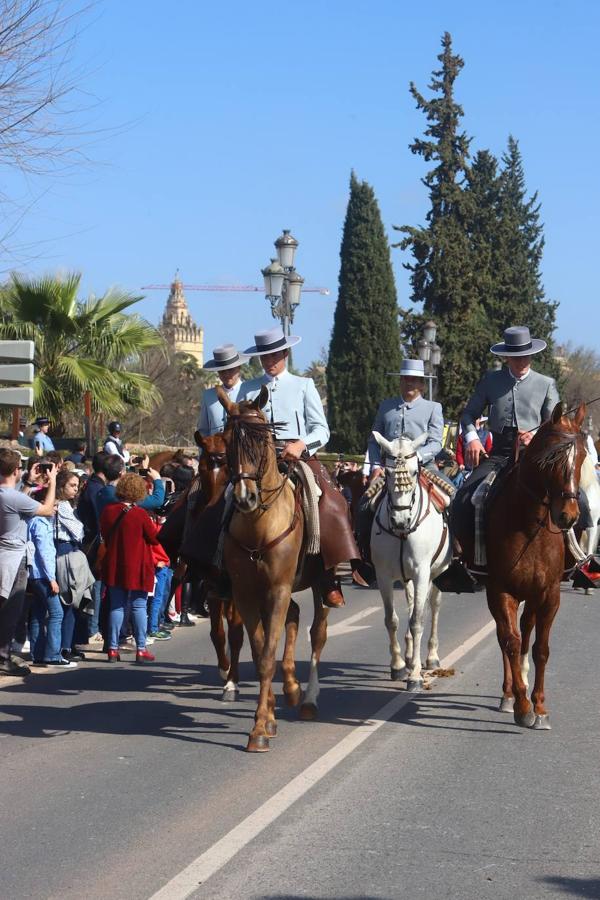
[115,777]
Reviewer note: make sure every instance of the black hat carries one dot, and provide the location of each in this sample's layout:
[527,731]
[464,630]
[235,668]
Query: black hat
[114,426]
[42,420]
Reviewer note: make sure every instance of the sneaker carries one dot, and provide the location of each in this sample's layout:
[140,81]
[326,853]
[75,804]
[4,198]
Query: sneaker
[72,655]
[61,663]
[127,646]
[159,635]
[9,667]
[174,617]
[39,664]
[166,626]
[150,640]
[18,648]
[96,638]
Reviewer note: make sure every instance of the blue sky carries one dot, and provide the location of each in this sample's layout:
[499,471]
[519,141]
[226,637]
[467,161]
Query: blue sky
[227,122]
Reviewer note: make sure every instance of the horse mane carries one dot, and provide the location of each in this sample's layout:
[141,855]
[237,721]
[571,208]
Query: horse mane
[547,456]
[250,431]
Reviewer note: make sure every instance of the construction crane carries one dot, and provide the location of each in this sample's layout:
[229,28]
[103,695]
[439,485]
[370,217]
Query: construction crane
[233,288]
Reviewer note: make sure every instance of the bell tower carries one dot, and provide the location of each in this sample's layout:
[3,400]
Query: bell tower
[180,331]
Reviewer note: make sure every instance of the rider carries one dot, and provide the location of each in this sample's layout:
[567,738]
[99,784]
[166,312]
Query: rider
[228,363]
[113,445]
[295,402]
[519,400]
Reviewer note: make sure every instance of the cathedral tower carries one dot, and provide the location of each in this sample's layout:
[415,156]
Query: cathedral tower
[180,331]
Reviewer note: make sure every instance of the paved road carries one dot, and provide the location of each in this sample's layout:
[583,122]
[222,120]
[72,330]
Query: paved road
[116,779]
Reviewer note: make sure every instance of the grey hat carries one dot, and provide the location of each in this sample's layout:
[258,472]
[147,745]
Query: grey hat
[271,341]
[518,342]
[411,368]
[225,357]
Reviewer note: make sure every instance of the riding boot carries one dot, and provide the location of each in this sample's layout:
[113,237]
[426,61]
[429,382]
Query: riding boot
[186,598]
[331,590]
[587,574]
[200,596]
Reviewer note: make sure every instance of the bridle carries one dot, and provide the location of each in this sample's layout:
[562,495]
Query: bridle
[401,476]
[553,459]
[258,475]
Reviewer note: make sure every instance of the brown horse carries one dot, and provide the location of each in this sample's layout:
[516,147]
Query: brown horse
[535,505]
[213,476]
[262,553]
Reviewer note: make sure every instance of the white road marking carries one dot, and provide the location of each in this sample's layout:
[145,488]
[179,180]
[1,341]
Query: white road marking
[349,625]
[208,863]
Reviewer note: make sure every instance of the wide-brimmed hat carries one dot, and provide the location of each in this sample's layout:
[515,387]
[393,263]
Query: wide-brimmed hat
[271,341]
[411,368]
[518,342]
[226,356]
[42,420]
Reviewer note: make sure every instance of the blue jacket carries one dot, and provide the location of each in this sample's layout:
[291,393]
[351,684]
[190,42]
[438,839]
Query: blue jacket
[40,531]
[212,414]
[42,440]
[294,401]
[108,494]
[87,509]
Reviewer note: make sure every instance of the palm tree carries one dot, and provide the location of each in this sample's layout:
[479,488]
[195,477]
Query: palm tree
[80,345]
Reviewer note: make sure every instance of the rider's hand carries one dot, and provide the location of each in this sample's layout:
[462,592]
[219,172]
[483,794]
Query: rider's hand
[525,438]
[376,471]
[473,450]
[293,450]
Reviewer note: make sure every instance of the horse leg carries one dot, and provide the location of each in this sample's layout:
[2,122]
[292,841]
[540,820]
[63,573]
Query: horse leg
[217,633]
[265,724]
[291,686]
[507,702]
[235,636]
[540,653]
[409,590]
[386,589]
[527,623]
[433,652]
[421,587]
[504,608]
[318,638]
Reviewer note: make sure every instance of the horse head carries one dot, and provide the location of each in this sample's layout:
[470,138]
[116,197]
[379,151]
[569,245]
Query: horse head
[250,448]
[212,465]
[401,475]
[554,458]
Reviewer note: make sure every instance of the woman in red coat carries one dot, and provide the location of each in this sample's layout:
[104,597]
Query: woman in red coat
[128,566]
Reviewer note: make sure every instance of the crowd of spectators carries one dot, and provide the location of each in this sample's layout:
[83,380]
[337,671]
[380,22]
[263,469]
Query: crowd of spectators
[80,561]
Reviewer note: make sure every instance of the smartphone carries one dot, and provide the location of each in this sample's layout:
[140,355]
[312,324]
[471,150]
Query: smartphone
[45,466]
[143,471]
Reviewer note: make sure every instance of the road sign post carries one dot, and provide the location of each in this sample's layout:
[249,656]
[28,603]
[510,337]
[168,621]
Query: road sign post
[16,367]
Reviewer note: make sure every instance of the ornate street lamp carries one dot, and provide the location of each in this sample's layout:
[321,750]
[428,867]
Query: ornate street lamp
[430,353]
[283,285]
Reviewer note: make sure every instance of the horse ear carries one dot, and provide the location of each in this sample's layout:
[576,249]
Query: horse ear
[580,414]
[385,444]
[557,413]
[262,398]
[224,400]
[199,440]
[419,441]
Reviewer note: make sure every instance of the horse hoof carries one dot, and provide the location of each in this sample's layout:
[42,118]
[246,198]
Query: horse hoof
[396,674]
[507,705]
[308,712]
[271,728]
[526,720]
[258,744]
[230,696]
[542,723]
[414,686]
[432,664]
[293,698]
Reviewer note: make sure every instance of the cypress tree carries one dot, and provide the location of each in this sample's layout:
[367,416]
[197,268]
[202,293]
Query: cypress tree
[365,342]
[443,276]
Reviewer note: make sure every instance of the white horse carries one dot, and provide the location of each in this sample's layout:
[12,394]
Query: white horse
[409,543]
[588,482]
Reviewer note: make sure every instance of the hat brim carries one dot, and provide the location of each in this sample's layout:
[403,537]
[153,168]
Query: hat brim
[502,349]
[215,366]
[402,374]
[256,351]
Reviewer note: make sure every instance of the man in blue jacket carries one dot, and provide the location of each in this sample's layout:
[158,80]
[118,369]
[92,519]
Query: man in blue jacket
[227,362]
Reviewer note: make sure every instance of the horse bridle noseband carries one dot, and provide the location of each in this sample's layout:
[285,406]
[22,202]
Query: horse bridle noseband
[257,476]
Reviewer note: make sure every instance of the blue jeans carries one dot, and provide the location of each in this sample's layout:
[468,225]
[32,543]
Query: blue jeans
[159,600]
[68,626]
[93,624]
[124,602]
[45,637]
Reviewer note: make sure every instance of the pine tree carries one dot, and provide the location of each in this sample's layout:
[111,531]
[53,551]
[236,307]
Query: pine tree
[365,342]
[444,278]
[520,297]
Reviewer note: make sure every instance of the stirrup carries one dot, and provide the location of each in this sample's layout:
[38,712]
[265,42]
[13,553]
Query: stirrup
[456,579]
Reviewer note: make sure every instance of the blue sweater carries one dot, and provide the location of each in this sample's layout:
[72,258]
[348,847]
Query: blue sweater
[40,531]
[108,494]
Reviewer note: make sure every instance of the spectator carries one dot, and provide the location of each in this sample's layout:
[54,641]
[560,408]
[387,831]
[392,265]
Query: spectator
[87,510]
[113,445]
[78,454]
[45,636]
[163,575]
[41,442]
[484,436]
[73,572]
[16,507]
[128,566]
[114,468]
[180,470]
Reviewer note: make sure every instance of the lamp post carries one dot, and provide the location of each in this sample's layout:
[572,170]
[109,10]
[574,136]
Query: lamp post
[430,353]
[283,284]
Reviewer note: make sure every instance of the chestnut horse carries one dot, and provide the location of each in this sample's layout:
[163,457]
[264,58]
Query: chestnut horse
[526,522]
[262,552]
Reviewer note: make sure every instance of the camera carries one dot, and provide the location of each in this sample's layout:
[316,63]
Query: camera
[45,466]
[143,471]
